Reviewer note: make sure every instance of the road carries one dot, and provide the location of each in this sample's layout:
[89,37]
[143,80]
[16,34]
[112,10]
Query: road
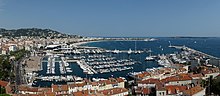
[19,72]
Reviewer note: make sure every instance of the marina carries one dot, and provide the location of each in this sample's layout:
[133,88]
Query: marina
[102,62]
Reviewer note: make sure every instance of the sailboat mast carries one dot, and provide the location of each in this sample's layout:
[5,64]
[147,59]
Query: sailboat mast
[135,46]
[170,43]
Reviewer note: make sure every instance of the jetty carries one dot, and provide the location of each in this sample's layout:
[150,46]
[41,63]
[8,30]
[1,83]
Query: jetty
[86,68]
[124,51]
[185,48]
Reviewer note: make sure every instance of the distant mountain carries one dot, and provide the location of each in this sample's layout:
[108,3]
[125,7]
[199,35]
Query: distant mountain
[33,32]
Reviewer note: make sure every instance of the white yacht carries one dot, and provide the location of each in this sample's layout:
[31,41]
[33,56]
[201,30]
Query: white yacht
[129,51]
[116,51]
[150,58]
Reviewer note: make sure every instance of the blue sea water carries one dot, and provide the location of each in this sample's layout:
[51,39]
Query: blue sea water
[207,45]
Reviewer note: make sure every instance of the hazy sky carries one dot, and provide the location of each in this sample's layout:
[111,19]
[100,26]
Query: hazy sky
[115,17]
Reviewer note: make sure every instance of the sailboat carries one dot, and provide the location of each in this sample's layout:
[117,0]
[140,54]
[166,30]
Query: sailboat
[129,51]
[135,51]
[170,44]
[150,58]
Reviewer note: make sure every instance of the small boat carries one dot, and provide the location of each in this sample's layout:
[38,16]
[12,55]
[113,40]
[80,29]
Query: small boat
[116,51]
[129,51]
[150,58]
[137,52]
[195,42]
[150,39]
[148,51]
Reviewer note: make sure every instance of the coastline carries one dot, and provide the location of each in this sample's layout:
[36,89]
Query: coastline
[85,42]
[101,40]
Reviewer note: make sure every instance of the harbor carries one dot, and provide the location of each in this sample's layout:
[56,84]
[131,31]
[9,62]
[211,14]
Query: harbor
[68,64]
[194,51]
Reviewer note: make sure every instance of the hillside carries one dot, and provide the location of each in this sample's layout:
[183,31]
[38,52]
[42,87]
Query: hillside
[33,32]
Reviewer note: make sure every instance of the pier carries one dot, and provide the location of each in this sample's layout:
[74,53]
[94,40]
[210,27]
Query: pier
[194,51]
[86,68]
[125,51]
[92,50]
[57,78]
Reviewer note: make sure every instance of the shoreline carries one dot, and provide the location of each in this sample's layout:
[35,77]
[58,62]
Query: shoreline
[92,41]
[85,42]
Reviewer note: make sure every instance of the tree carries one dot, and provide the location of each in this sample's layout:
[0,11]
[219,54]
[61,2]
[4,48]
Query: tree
[215,86]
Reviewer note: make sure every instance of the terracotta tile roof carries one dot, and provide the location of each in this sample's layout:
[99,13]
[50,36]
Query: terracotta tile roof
[142,91]
[119,79]
[149,81]
[142,75]
[79,93]
[22,88]
[160,86]
[193,90]
[33,95]
[206,71]
[174,89]
[64,88]
[182,69]
[170,79]
[180,77]
[77,85]
[8,89]
[55,88]
[50,93]
[34,89]
[101,82]
[86,93]
[44,90]
[28,89]
[59,88]
[113,91]
[107,82]
[3,83]
[196,75]
[80,84]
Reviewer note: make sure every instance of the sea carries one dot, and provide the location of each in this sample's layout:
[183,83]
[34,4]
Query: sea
[209,45]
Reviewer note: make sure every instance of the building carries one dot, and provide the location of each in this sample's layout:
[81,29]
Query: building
[12,48]
[195,91]
[181,79]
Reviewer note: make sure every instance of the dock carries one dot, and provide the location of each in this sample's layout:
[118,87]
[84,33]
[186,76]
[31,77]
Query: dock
[194,51]
[86,68]
[124,51]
